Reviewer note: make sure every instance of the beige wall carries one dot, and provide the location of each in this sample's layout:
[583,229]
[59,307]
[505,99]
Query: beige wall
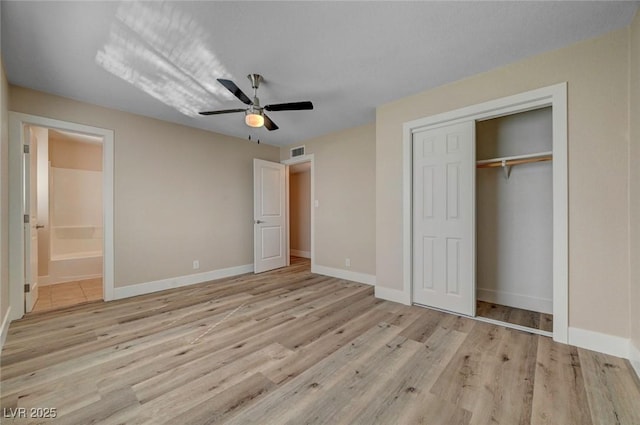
[181,194]
[634,179]
[344,187]
[67,153]
[597,74]
[4,194]
[300,208]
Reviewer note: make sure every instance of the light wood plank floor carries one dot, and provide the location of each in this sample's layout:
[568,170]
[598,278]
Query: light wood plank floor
[291,347]
[517,316]
[52,297]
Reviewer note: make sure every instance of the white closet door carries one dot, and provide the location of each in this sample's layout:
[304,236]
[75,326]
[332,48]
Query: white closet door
[444,218]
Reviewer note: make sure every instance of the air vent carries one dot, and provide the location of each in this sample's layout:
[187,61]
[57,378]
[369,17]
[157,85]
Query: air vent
[295,152]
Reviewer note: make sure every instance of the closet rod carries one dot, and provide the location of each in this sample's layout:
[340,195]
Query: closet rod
[508,161]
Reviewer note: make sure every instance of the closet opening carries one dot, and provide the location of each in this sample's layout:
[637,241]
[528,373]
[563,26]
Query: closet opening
[511,254]
[514,219]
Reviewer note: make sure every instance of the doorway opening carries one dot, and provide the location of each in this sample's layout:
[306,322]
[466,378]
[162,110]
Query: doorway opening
[301,204]
[69,223]
[71,239]
[300,213]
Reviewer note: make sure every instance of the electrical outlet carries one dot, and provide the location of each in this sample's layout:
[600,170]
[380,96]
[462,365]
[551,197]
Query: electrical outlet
[196,264]
[347,262]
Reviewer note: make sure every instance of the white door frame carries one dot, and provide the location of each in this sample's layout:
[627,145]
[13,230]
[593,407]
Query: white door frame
[17,123]
[298,160]
[554,96]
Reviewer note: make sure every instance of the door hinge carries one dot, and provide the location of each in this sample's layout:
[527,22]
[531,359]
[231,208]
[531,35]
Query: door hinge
[25,148]
[26,219]
[27,288]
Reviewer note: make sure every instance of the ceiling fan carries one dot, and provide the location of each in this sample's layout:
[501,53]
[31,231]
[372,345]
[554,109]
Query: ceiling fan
[254,114]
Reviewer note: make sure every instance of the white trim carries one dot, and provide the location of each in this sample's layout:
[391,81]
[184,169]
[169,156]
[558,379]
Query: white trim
[312,171]
[555,96]
[17,121]
[303,254]
[634,357]
[176,282]
[596,341]
[395,295]
[526,302]
[368,279]
[4,330]
[560,183]
[287,208]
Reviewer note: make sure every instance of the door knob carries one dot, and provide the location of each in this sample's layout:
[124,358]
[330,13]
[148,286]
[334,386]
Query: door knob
[39,226]
[259,221]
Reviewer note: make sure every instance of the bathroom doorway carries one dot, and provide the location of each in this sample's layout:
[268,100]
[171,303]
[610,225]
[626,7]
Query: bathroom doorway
[69,224]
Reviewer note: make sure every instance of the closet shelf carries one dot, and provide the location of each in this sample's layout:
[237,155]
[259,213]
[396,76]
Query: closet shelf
[507,162]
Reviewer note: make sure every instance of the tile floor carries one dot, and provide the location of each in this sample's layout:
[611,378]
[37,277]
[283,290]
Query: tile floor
[61,295]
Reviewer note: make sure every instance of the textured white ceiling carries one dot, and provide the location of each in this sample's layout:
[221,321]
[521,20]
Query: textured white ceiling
[346,57]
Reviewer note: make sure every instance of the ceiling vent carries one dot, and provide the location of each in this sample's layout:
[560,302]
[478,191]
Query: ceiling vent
[296,152]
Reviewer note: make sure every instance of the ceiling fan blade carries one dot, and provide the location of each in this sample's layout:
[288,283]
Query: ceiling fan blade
[231,86]
[291,106]
[221,111]
[270,125]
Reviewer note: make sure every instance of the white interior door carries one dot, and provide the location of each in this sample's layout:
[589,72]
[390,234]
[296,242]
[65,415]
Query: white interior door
[269,206]
[31,229]
[444,218]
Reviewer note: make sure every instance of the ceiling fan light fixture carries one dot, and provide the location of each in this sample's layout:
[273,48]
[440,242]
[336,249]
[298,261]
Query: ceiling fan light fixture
[254,119]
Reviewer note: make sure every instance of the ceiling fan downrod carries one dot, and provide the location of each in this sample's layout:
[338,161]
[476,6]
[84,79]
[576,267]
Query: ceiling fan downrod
[255,79]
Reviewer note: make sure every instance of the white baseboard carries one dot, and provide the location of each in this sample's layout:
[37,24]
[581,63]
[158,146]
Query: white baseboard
[526,302]
[634,357]
[596,341]
[4,331]
[297,253]
[176,282]
[394,295]
[368,279]
[50,282]
[65,279]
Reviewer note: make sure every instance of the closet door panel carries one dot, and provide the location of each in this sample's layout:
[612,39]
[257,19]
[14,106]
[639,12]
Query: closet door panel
[428,261]
[453,191]
[444,218]
[453,266]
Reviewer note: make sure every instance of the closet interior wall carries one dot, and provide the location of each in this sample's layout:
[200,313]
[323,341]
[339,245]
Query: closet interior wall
[514,213]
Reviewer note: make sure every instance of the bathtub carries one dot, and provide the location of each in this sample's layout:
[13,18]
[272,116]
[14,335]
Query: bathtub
[76,253]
